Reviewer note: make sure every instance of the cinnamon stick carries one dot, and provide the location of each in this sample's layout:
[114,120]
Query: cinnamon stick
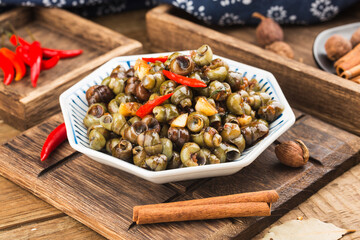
[270,196]
[351,59]
[356,79]
[347,56]
[352,72]
[200,212]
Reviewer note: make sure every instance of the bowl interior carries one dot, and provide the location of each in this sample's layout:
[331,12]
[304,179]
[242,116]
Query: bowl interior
[74,106]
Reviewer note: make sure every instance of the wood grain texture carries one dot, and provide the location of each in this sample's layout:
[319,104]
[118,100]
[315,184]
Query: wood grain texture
[135,29]
[7,132]
[15,200]
[307,88]
[24,106]
[339,196]
[56,229]
[102,197]
[15,148]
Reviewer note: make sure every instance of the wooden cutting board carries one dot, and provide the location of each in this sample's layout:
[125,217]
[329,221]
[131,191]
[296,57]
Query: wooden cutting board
[102,197]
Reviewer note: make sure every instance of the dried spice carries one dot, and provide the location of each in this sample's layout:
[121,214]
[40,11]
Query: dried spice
[292,153]
[268,31]
[306,230]
[336,47]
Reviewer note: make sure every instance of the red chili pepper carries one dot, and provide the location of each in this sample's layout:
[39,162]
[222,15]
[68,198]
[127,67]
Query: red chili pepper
[191,82]
[152,60]
[48,52]
[35,61]
[23,52]
[17,62]
[149,106]
[8,69]
[50,63]
[55,138]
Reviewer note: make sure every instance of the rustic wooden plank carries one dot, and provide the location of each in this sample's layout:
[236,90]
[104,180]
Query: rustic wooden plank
[27,146]
[184,186]
[336,203]
[70,24]
[19,207]
[7,132]
[17,18]
[99,196]
[298,113]
[134,29]
[307,88]
[59,228]
[57,28]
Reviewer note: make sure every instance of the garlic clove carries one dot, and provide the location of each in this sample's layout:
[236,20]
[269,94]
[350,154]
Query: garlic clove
[203,106]
[180,121]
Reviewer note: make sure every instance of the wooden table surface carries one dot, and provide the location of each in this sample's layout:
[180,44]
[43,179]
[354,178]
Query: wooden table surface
[24,216]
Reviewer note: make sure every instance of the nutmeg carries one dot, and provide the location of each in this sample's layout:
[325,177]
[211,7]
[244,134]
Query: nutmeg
[355,38]
[292,153]
[268,31]
[336,46]
[281,48]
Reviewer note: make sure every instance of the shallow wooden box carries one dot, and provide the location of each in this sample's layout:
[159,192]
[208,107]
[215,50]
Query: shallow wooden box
[23,106]
[305,86]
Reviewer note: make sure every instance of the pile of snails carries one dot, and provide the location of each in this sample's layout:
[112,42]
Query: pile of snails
[195,126]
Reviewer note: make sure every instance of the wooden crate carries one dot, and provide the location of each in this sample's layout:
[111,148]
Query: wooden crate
[23,106]
[306,87]
[102,197]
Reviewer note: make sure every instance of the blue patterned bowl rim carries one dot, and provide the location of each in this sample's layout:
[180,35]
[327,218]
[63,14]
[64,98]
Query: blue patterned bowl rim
[74,106]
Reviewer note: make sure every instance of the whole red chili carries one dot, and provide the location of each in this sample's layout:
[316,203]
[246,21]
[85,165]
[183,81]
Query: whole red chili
[35,61]
[191,82]
[152,60]
[17,62]
[55,138]
[48,52]
[50,63]
[8,69]
[149,106]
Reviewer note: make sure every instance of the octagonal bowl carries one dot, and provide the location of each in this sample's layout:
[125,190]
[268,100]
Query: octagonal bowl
[74,106]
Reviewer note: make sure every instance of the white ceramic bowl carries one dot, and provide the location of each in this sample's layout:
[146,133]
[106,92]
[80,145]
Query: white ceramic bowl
[74,106]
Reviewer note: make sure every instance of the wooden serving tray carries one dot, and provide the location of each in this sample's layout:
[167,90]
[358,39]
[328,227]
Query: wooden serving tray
[102,197]
[306,87]
[23,106]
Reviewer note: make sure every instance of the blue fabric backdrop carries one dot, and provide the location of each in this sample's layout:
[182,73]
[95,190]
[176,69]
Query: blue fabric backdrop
[220,12]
